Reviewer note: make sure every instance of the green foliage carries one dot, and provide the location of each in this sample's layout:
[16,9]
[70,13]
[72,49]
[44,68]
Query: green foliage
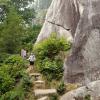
[6,81]
[19,92]
[54,97]
[30,37]
[3,56]
[11,32]
[11,72]
[61,88]
[51,47]
[52,69]
[87,97]
[15,60]
[22,8]
[27,13]
[26,82]
[48,59]
[14,26]
[16,65]
[14,32]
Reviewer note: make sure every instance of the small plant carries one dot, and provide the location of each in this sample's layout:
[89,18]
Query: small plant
[61,89]
[54,97]
[15,60]
[87,97]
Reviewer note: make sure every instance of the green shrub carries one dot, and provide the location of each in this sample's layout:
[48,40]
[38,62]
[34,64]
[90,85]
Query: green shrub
[47,54]
[3,56]
[51,47]
[19,92]
[30,37]
[52,69]
[61,88]
[16,65]
[26,82]
[15,60]
[10,73]
[13,95]
[54,97]
[6,81]
[87,97]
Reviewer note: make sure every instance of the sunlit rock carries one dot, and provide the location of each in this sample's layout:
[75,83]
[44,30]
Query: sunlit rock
[62,17]
[92,91]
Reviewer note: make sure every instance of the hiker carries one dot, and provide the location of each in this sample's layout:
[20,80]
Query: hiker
[32,59]
[23,53]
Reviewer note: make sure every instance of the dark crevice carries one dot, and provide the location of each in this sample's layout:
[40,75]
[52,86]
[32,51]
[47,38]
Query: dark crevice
[59,25]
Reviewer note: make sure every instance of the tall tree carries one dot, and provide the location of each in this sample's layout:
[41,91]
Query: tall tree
[3,9]
[11,31]
[25,9]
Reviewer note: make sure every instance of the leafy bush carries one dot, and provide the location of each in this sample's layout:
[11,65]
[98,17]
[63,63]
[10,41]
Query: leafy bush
[19,92]
[47,53]
[61,88]
[3,56]
[51,47]
[26,82]
[87,97]
[54,97]
[15,60]
[11,72]
[16,65]
[52,69]
[6,81]
[30,37]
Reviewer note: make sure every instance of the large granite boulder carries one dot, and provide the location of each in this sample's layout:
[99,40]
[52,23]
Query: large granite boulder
[83,65]
[92,91]
[78,20]
[62,17]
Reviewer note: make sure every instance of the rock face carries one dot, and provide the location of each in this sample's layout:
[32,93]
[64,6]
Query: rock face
[83,64]
[62,18]
[79,20]
[92,90]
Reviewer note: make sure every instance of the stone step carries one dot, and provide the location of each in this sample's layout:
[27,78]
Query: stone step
[43,92]
[29,70]
[44,98]
[39,84]
[36,76]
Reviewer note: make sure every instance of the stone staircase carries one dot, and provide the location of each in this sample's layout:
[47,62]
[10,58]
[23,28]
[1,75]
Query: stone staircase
[40,91]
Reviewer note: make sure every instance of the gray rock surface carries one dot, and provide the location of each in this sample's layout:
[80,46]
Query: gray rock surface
[92,89]
[62,17]
[83,64]
[43,92]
